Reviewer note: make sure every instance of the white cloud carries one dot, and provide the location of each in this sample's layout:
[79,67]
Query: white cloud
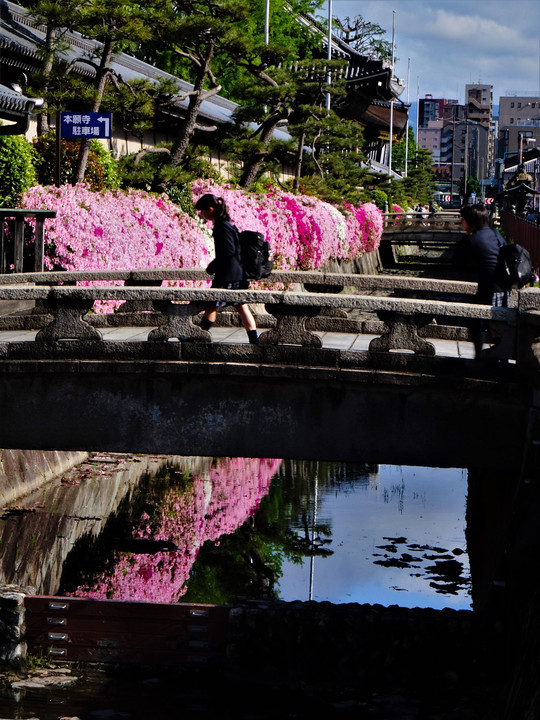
[451,43]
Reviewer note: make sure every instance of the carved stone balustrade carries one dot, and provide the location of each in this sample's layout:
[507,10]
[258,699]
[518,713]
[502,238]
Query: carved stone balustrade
[176,307]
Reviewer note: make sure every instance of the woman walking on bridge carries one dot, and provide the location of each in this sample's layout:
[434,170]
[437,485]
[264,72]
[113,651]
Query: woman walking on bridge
[226,267]
[479,251]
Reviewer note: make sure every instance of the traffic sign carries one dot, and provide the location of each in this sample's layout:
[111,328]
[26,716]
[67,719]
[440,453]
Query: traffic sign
[85,125]
[488,201]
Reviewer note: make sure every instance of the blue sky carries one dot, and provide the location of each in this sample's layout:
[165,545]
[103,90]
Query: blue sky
[451,43]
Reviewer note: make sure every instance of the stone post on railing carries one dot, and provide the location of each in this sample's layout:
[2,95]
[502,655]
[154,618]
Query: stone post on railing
[17,253]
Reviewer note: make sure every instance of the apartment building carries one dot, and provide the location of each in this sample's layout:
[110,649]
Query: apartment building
[479,104]
[519,124]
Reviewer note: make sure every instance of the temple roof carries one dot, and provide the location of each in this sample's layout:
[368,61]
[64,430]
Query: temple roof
[16,108]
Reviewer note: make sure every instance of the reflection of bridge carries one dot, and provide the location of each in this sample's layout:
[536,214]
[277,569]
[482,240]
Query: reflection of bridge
[394,380]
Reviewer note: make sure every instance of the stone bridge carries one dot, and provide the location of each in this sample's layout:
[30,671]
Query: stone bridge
[421,238]
[347,369]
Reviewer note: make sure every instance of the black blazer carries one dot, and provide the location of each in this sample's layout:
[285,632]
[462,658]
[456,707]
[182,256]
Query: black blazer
[478,252]
[226,266]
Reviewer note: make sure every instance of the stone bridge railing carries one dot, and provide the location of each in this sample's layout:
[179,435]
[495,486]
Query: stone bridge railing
[421,222]
[403,325]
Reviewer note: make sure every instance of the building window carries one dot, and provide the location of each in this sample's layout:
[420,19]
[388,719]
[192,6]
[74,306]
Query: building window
[511,104]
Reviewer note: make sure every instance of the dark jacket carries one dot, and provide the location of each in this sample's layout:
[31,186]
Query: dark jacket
[479,252]
[226,266]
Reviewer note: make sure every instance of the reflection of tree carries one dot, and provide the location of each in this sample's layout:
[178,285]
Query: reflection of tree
[310,543]
[183,517]
[249,562]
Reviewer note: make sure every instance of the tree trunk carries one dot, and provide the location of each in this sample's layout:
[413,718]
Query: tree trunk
[187,127]
[101,81]
[49,54]
[252,166]
[299,159]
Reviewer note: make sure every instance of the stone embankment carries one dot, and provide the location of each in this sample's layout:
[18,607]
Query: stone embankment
[23,471]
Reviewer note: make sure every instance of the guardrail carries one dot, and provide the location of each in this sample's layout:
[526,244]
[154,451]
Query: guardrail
[175,310]
[309,279]
[524,233]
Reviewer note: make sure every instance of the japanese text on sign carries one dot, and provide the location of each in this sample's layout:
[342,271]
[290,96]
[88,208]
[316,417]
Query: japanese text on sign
[86,125]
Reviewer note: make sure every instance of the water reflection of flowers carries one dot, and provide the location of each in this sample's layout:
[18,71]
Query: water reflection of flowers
[207,508]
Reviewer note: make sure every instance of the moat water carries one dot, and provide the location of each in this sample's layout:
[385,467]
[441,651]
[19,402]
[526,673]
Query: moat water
[213,530]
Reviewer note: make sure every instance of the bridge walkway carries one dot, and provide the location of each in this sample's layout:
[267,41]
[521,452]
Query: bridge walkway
[233,335]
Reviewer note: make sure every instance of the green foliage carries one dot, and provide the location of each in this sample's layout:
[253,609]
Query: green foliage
[364,36]
[334,169]
[180,194]
[17,171]
[132,105]
[400,149]
[287,38]
[379,198]
[473,186]
[151,172]
[102,169]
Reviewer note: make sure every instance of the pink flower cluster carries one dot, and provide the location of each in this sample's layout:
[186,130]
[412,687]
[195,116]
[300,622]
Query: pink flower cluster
[115,230]
[119,230]
[206,508]
[304,233]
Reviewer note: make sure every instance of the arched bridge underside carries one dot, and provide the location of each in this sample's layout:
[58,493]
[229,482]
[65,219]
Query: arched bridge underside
[262,410]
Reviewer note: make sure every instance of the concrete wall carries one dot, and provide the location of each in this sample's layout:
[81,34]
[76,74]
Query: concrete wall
[22,471]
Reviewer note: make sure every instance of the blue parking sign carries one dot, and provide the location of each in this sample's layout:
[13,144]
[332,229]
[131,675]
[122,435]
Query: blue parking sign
[85,125]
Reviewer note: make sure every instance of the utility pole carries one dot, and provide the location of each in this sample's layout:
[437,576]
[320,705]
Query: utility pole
[392,98]
[453,151]
[329,56]
[417,116]
[407,127]
[266,21]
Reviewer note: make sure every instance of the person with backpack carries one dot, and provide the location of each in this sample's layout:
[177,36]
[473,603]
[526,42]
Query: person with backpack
[226,267]
[479,252]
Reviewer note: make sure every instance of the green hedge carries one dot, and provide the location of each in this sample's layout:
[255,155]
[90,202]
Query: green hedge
[17,171]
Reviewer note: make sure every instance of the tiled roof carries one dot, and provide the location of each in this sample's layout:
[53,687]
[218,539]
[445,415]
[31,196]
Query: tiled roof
[20,38]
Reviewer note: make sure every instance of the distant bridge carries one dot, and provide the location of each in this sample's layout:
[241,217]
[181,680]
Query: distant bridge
[430,238]
[393,379]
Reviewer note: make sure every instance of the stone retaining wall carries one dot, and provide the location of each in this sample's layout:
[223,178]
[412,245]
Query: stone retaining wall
[22,471]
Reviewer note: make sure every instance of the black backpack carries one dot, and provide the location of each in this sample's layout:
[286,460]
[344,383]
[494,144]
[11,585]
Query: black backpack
[514,268]
[254,253]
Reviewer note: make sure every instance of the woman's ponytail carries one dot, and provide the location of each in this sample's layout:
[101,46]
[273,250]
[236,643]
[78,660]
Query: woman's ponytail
[213,201]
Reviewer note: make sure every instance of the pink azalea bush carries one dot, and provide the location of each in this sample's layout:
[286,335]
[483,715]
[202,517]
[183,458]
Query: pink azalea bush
[116,230]
[209,506]
[304,232]
[125,230]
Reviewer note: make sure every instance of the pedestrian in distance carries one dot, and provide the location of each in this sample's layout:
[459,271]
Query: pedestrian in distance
[226,266]
[479,252]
